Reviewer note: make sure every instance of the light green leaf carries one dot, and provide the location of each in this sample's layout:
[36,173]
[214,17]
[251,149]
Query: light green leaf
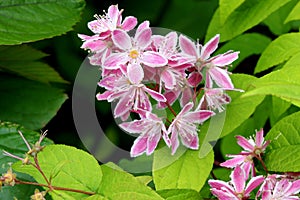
[294,14]
[279,108]
[96,197]
[248,44]
[26,21]
[179,194]
[184,170]
[144,179]
[247,15]
[279,83]
[80,171]
[275,21]
[227,7]
[28,103]
[284,150]
[11,141]
[22,60]
[280,50]
[119,185]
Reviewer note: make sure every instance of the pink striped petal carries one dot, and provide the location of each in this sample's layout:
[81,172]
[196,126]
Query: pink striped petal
[236,160]
[115,60]
[186,96]
[103,96]
[238,179]
[225,59]
[174,141]
[218,184]
[171,98]
[97,45]
[135,73]
[121,39]
[194,78]
[139,146]
[129,23]
[152,143]
[142,26]
[295,189]
[143,38]
[135,126]
[165,137]
[123,106]
[221,77]
[113,13]
[210,47]
[187,46]
[259,138]
[244,143]
[171,41]
[186,108]
[169,79]
[253,183]
[190,140]
[199,116]
[153,59]
[95,27]
[155,95]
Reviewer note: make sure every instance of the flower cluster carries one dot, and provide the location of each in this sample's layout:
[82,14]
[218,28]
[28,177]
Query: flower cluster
[273,186]
[140,69]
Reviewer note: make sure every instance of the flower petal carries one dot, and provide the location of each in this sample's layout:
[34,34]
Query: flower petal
[153,59]
[194,78]
[199,116]
[103,96]
[236,160]
[210,47]
[218,184]
[253,183]
[186,96]
[190,140]
[121,39]
[139,146]
[136,126]
[115,60]
[259,138]
[186,108]
[142,26]
[152,142]
[95,27]
[244,143]
[187,46]
[238,179]
[155,95]
[143,38]
[94,45]
[113,14]
[135,73]
[221,77]
[123,106]
[168,78]
[129,23]
[225,59]
[174,140]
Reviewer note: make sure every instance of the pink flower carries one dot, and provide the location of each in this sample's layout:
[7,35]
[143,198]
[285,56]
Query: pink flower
[236,189]
[214,99]
[151,130]
[185,126]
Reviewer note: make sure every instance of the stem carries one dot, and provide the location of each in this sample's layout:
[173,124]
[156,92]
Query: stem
[213,175]
[37,166]
[171,109]
[262,162]
[54,187]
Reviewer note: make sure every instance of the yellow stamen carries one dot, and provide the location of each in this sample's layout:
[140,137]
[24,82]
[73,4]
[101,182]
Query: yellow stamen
[134,54]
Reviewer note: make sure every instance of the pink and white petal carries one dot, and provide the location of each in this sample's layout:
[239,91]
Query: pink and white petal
[143,38]
[199,116]
[171,98]
[171,42]
[115,60]
[295,189]
[223,195]
[104,35]
[190,140]
[152,142]
[123,106]
[236,160]
[166,137]
[225,59]
[259,138]
[253,183]
[113,13]
[168,78]
[94,45]
[87,37]
[121,39]
[143,101]
[129,23]
[139,146]
[238,179]
[153,59]
[95,27]
[155,95]
[142,26]
[104,96]
[244,143]
[186,108]
[136,126]
[187,46]
[174,140]
[135,73]
[186,96]
[194,78]
[218,184]
[210,47]
[221,77]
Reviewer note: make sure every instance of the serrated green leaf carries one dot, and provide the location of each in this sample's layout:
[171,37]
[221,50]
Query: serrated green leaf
[294,14]
[227,7]
[28,103]
[248,44]
[22,60]
[119,185]
[280,50]
[279,83]
[247,15]
[11,141]
[179,194]
[275,21]
[184,170]
[284,150]
[80,171]
[26,21]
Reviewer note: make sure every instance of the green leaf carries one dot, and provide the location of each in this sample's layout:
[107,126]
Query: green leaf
[179,194]
[119,185]
[96,197]
[31,20]
[279,83]
[11,141]
[248,44]
[227,7]
[284,150]
[79,170]
[276,21]
[184,170]
[144,179]
[279,108]
[280,50]
[294,14]
[28,103]
[22,60]
[247,15]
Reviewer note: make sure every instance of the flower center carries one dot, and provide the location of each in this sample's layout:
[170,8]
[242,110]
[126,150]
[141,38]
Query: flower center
[134,54]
